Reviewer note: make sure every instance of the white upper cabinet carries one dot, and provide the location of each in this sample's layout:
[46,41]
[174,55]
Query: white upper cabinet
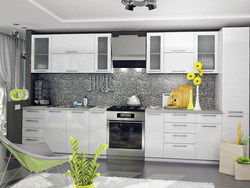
[235,69]
[206,51]
[73,44]
[103,53]
[179,42]
[155,52]
[40,54]
[179,52]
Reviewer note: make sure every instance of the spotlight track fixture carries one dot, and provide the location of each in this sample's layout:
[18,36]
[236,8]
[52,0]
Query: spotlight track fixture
[130,4]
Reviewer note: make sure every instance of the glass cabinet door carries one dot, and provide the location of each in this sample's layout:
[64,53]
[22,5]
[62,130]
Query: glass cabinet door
[40,61]
[103,53]
[207,51]
[155,52]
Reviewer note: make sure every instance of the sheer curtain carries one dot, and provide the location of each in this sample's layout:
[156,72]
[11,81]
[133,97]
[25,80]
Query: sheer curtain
[10,70]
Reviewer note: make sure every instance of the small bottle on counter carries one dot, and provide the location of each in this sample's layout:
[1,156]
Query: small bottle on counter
[85,101]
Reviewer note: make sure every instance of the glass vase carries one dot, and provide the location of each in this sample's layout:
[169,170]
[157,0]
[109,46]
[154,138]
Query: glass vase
[190,104]
[197,102]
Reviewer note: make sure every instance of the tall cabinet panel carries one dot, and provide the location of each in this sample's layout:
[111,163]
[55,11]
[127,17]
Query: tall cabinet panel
[40,54]
[206,51]
[103,53]
[155,52]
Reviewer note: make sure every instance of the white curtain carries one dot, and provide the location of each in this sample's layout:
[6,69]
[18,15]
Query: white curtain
[11,68]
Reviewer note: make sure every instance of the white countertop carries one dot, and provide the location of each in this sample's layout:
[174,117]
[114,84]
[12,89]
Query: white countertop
[183,110]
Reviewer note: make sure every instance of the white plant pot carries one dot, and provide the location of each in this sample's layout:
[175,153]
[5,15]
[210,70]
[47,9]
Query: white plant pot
[197,103]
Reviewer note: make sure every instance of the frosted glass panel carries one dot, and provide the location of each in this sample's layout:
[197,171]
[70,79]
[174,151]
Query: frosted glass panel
[41,46]
[206,44]
[155,61]
[207,61]
[102,62]
[41,61]
[102,45]
[155,44]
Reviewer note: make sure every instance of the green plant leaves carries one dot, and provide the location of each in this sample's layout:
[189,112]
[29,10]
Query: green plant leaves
[244,140]
[84,171]
[243,160]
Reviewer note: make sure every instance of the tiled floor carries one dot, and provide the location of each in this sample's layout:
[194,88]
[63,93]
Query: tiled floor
[155,170]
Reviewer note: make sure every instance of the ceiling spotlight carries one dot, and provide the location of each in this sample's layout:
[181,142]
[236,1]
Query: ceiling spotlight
[15,33]
[130,4]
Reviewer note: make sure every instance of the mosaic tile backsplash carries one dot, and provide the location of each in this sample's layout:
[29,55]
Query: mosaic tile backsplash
[114,89]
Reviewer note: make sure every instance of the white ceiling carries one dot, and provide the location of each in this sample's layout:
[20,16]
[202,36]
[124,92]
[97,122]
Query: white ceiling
[110,15]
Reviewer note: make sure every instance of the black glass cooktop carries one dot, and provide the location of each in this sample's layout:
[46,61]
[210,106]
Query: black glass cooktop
[127,108]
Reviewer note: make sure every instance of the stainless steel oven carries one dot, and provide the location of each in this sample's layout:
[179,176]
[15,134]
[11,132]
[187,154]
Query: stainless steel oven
[125,134]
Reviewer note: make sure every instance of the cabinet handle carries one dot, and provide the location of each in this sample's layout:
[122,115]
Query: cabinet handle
[154,114]
[179,114]
[209,126]
[31,129]
[235,111]
[178,50]
[180,125]
[29,139]
[77,112]
[32,111]
[29,120]
[234,116]
[72,52]
[178,71]
[71,71]
[55,111]
[180,135]
[207,71]
[210,115]
[97,112]
[180,146]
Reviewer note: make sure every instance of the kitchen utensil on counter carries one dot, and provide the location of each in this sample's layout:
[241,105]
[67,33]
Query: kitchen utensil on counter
[90,84]
[133,101]
[185,94]
[165,97]
[177,92]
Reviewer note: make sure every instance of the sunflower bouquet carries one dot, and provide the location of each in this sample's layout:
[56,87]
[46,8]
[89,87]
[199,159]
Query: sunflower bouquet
[196,80]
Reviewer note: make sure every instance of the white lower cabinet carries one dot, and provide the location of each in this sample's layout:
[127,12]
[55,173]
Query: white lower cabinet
[208,137]
[154,135]
[78,128]
[55,130]
[179,151]
[98,133]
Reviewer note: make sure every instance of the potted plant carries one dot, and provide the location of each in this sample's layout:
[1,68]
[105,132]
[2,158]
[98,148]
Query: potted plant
[83,170]
[242,168]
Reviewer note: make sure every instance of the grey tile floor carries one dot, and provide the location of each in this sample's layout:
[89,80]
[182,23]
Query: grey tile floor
[153,170]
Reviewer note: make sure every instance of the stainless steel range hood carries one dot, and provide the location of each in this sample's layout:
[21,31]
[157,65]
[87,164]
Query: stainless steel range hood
[129,51]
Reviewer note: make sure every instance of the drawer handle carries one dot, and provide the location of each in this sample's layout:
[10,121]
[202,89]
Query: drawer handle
[180,146]
[178,50]
[71,71]
[180,125]
[55,111]
[209,126]
[234,116]
[31,130]
[97,112]
[29,120]
[209,115]
[179,114]
[77,112]
[207,71]
[154,114]
[178,71]
[71,52]
[179,135]
[32,111]
[235,111]
[29,139]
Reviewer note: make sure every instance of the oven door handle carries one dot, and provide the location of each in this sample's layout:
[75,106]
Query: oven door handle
[110,121]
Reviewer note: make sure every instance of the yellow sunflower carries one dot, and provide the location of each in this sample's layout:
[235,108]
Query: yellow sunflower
[190,76]
[197,81]
[200,72]
[197,65]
